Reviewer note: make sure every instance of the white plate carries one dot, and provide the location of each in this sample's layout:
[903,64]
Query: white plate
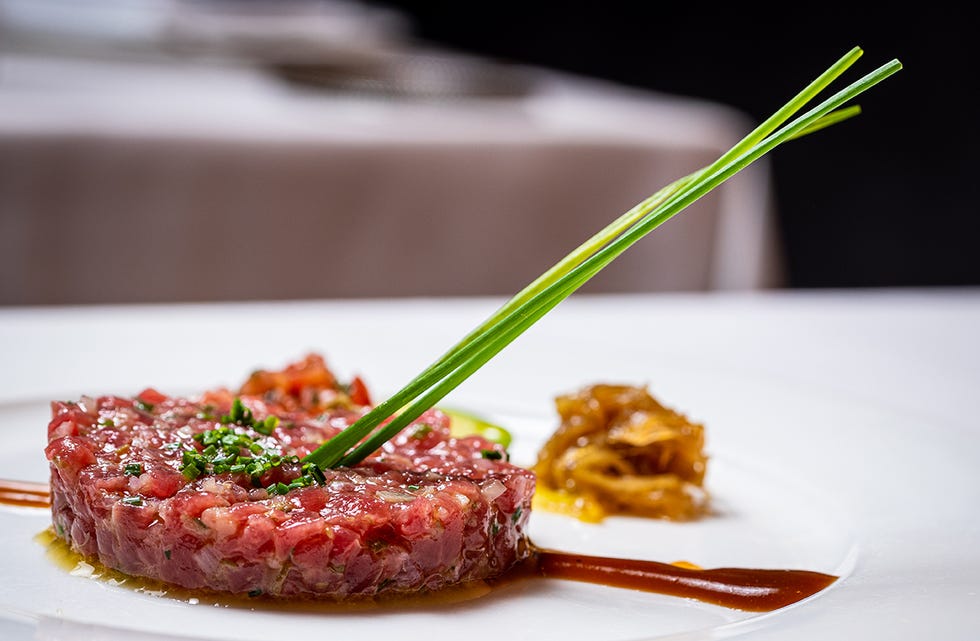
[801,481]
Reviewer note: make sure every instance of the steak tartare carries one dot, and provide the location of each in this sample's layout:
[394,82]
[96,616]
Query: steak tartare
[210,492]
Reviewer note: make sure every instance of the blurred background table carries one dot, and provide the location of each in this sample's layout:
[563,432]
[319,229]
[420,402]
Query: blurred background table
[191,151]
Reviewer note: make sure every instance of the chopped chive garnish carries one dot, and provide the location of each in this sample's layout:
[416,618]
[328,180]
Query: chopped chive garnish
[133,469]
[226,451]
[239,413]
[314,472]
[243,416]
[278,488]
[493,455]
[143,405]
[365,436]
[191,471]
[133,500]
[266,426]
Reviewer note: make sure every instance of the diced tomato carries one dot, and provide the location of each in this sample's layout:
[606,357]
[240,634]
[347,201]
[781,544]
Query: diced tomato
[151,396]
[358,392]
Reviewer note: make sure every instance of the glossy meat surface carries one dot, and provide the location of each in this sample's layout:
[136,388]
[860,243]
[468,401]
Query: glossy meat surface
[425,512]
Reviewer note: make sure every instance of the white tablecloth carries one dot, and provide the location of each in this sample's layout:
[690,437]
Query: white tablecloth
[146,180]
[915,350]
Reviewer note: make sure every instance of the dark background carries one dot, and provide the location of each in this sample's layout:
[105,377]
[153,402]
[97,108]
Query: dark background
[886,199]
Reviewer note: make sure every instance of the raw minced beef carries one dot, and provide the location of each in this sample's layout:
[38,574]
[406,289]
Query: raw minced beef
[425,512]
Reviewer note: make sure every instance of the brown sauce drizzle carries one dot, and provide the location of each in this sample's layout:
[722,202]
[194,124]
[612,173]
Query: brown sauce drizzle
[24,493]
[754,590]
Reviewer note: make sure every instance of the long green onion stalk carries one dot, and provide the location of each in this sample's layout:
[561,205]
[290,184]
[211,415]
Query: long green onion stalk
[541,296]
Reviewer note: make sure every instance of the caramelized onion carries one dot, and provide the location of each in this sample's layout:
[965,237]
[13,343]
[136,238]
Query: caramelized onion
[619,451]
